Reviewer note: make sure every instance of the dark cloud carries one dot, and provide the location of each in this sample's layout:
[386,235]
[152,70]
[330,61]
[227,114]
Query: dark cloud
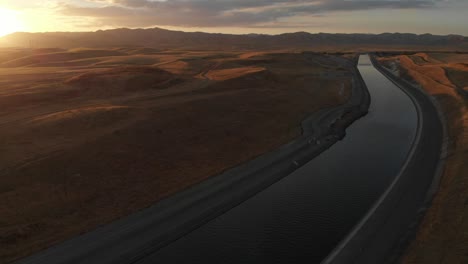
[209,13]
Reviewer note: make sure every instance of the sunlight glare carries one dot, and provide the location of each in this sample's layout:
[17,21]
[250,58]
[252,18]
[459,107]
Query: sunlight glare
[9,22]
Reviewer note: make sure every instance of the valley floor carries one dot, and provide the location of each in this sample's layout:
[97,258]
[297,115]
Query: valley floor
[89,136]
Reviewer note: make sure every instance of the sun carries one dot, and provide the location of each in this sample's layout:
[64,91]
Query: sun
[9,22]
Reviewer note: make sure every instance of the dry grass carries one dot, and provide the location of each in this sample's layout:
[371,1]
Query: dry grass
[459,76]
[443,236]
[226,74]
[45,59]
[83,145]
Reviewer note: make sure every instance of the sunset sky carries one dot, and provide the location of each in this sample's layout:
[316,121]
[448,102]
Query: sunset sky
[238,16]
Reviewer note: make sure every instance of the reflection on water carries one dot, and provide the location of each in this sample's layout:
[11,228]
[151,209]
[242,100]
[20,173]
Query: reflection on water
[307,213]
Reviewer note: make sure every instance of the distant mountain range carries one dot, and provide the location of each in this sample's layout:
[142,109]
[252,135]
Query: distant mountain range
[167,39]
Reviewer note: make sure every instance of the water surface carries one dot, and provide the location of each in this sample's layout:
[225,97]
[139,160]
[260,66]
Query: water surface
[306,214]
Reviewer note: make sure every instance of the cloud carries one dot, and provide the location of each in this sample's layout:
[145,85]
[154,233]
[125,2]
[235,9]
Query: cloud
[209,13]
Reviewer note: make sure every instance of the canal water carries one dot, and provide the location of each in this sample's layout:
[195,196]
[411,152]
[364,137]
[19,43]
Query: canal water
[306,214]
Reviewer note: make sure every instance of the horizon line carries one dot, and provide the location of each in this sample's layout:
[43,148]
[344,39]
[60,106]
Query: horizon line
[222,33]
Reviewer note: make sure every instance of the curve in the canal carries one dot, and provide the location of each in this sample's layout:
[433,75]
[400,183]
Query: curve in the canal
[305,215]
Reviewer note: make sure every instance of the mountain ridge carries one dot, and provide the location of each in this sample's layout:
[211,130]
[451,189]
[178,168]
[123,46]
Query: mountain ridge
[169,39]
